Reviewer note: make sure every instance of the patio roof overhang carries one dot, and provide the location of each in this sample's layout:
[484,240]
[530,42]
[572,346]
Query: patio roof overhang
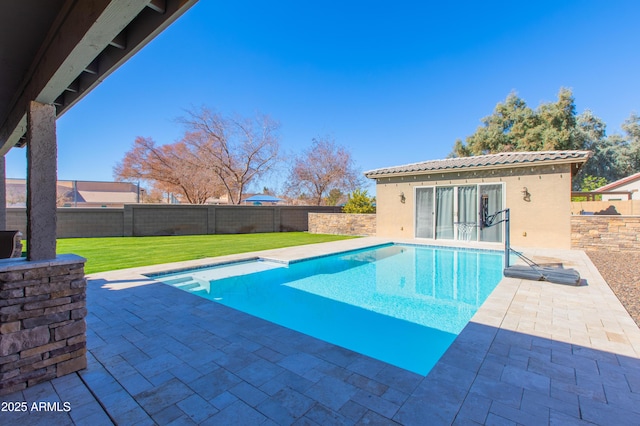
[57,51]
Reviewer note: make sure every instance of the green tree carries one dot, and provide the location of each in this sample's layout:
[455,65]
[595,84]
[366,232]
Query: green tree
[591,183]
[591,135]
[630,161]
[557,123]
[514,126]
[504,130]
[360,202]
[334,197]
[615,156]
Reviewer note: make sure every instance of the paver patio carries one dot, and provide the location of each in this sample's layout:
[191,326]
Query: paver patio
[535,353]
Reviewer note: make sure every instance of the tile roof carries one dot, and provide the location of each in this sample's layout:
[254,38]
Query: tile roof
[484,161]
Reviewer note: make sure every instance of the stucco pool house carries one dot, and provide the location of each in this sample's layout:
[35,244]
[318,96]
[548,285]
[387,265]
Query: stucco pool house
[439,199]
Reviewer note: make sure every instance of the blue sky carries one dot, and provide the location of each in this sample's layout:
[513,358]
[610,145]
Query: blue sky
[394,82]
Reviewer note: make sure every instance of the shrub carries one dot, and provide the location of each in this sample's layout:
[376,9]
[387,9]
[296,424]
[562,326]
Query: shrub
[360,202]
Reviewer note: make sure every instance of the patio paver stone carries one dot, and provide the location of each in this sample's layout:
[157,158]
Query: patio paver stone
[535,353]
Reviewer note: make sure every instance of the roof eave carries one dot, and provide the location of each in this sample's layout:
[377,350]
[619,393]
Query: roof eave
[80,51]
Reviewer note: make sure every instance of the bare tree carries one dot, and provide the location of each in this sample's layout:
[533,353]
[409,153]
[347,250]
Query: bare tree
[216,155]
[236,150]
[64,197]
[171,168]
[16,195]
[322,168]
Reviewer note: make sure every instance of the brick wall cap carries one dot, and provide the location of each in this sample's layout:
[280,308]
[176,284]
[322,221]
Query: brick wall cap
[20,264]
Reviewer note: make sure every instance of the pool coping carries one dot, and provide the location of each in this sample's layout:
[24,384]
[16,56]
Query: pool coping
[533,353]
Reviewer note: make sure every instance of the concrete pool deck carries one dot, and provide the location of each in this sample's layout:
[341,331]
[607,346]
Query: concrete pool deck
[535,353]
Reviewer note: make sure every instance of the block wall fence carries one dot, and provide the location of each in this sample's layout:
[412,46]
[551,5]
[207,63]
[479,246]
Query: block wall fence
[588,232]
[152,219]
[615,207]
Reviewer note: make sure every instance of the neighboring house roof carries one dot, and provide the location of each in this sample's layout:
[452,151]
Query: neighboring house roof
[108,197]
[503,159]
[82,192]
[613,185]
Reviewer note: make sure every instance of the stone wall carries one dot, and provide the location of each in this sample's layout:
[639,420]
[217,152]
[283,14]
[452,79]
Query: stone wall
[342,224]
[155,219]
[42,320]
[613,233]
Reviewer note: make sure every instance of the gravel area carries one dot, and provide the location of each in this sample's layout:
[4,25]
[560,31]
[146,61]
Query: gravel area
[621,270]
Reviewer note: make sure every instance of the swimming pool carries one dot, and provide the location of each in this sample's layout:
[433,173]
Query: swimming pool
[401,304]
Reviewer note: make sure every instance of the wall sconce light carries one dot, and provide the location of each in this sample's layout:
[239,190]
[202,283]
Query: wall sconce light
[402,198]
[526,196]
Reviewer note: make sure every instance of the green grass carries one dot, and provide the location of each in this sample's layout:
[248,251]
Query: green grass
[106,254]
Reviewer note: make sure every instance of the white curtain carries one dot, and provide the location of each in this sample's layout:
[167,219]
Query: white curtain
[444,213]
[467,213]
[424,212]
[494,233]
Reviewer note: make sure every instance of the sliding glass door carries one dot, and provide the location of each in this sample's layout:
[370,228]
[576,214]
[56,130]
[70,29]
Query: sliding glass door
[424,212]
[444,213]
[467,213]
[451,212]
[494,193]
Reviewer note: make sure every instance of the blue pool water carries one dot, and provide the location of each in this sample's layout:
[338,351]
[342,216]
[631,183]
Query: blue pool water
[400,304]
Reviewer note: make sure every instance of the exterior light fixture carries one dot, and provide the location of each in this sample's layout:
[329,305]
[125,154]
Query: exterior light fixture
[526,196]
[402,198]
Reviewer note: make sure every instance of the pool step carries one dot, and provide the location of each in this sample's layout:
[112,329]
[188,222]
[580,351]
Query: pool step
[189,285]
[177,281]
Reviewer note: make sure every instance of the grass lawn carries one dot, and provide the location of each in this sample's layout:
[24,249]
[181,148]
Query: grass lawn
[106,254]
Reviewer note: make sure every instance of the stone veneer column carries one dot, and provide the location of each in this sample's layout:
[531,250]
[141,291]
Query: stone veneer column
[42,155]
[42,320]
